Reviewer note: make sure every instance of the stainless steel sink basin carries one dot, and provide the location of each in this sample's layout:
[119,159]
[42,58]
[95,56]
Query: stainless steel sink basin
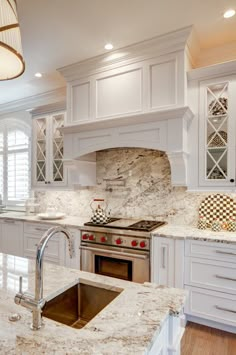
[76,306]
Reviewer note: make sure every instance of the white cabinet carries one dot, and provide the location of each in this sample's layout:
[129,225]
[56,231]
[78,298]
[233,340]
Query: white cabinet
[210,270]
[134,85]
[57,249]
[169,339]
[217,131]
[211,137]
[11,237]
[48,169]
[167,266]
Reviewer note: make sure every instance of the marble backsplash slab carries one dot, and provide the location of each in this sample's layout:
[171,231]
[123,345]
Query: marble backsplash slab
[135,183]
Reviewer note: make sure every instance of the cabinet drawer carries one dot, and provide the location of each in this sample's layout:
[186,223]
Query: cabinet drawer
[213,274]
[31,243]
[211,305]
[208,250]
[36,228]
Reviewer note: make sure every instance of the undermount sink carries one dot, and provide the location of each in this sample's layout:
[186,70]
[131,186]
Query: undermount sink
[76,306]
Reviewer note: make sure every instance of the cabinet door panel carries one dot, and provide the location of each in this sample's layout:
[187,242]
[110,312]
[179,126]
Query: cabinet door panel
[163,261]
[119,94]
[12,238]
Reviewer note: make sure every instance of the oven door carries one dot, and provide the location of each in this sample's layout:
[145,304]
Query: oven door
[115,262]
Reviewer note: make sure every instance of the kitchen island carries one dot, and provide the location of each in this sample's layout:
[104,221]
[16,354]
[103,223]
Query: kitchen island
[143,319]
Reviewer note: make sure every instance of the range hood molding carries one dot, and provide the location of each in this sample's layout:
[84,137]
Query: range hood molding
[184,113]
[134,97]
[164,131]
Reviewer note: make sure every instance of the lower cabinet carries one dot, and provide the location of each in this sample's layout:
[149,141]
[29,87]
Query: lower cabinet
[11,237]
[167,262]
[207,270]
[210,278]
[57,249]
[54,251]
[168,341]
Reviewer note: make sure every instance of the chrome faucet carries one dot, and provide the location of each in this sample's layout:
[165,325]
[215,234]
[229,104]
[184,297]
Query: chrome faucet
[36,302]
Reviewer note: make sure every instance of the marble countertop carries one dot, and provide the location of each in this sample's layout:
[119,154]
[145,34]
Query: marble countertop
[168,230]
[128,325]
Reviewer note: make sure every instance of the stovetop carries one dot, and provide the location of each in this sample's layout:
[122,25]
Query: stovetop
[129,224]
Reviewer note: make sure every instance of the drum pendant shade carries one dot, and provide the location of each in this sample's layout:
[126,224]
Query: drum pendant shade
[12,64]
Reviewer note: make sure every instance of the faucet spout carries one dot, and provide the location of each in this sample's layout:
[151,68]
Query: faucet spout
[35,303]
[39,257]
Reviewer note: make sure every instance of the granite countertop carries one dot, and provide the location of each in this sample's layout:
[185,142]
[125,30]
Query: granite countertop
[189,232]
[128,325]
[168,230]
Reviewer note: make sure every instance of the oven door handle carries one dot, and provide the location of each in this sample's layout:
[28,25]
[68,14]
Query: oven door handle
[115,252]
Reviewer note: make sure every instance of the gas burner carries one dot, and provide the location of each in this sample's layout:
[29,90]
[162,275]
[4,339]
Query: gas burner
[146,226]
[143,225]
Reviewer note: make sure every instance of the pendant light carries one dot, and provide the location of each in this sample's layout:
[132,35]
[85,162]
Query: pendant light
[12,63]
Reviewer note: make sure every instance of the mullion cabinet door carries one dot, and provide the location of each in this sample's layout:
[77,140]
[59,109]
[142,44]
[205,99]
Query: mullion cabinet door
[47,158]
[217,132]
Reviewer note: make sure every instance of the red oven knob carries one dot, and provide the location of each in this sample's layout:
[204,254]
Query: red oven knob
[103,239]
[91,237]
[142,244]
[119,241]
[85,236]
[134,243]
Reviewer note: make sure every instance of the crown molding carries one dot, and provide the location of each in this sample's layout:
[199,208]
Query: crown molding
[213,70]
[46,98]
[157,46]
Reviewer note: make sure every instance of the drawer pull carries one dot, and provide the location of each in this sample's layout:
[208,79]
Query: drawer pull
[11,221]
[163,257]
[224,278]
[225,309]
[36,245]
[225,252]
[41,229]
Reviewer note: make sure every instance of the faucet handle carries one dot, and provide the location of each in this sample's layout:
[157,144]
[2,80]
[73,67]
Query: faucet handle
[20,284]
[19,295]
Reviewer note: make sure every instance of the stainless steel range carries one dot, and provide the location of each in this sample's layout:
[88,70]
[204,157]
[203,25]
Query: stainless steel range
[119,248]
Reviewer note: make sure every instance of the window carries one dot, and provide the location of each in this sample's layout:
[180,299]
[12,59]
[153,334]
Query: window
[14,161]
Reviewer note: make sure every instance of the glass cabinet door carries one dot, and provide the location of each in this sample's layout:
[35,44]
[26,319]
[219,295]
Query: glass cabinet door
[41,149]
[217,126]
[217,132]
[48,152]
[57,148]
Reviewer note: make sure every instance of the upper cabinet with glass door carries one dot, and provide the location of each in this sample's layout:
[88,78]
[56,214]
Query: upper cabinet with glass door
[217,132]
[48,168]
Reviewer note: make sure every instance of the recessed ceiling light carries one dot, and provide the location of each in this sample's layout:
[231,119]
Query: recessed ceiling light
[229,13]
[29,109]
[108,46]
[38,75]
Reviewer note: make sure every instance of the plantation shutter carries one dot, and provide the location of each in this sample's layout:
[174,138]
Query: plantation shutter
[18,166]
[1,163]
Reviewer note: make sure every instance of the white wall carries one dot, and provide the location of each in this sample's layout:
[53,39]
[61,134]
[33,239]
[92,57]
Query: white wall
[19,115]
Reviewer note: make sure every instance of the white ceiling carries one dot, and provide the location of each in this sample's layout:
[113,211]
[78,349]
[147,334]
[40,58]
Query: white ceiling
[57,33]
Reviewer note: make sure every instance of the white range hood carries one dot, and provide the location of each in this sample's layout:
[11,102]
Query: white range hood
[134,97]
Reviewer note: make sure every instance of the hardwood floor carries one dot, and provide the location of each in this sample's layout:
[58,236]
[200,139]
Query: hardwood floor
[201,340]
